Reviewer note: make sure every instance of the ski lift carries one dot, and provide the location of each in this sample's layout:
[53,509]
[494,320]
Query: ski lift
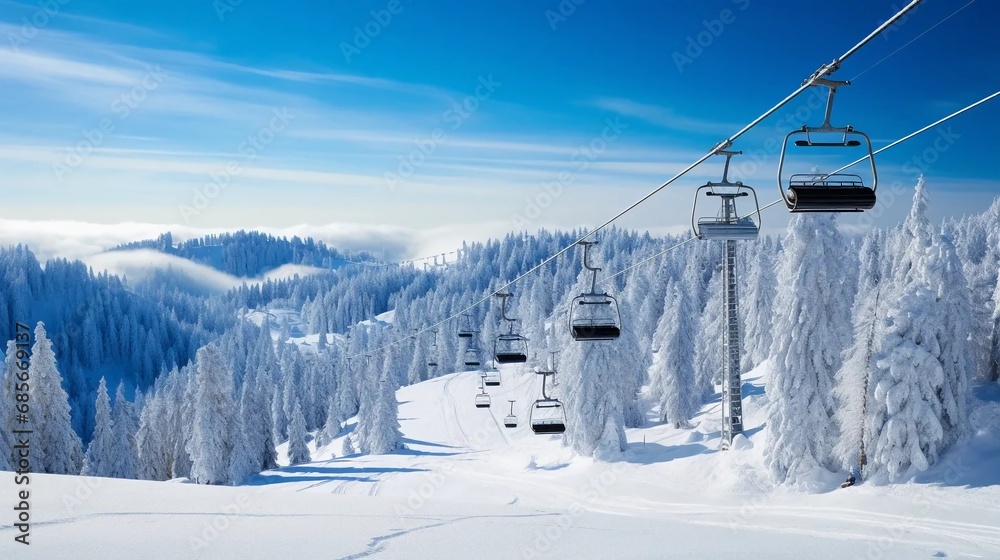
[727,224]
[432,361]
[472,357]
[547,415]
[483,400]
[592,315]
[492,378]
[511,347]
[465,329]
[832,192]
[510,421]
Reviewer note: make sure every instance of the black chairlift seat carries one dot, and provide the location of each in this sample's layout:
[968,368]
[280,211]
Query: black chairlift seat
[843,144]
[464,334]
[472,362]
[551,421]
[510,349]
[829,193]
[492,378]
[719,228]
[600,321]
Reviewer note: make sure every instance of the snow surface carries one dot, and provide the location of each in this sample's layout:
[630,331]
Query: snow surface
[467,488]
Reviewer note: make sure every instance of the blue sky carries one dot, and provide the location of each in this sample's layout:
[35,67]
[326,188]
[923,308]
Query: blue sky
[242,114]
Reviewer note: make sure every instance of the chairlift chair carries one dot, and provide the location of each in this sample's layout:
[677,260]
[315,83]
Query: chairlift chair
[547,415]
[510,421]
[832,192]
[727,224]
[465,329]
[592,315]
[492,378]
[472,357]
[482,400]
[510,347]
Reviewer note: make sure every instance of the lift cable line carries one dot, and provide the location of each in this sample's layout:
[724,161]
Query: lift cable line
[911,41]
[779,201]
[820,74]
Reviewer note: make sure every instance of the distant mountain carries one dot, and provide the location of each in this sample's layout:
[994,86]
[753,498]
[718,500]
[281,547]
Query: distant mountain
[249,254]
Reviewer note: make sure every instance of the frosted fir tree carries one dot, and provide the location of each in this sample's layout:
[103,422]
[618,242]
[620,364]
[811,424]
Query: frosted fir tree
[242,461]
[56,447]
[298,449]
[417,371]
[903,429]
[348,448]
[97,461]
[917,407]
[332,428]
[672,372]
[995,354]
[593,385]
[708,347]
[757,305]
[852,381]
[384,436]
[7,406]
[955,313]
[811,330]
[151,440]
[124,455]
[210,445]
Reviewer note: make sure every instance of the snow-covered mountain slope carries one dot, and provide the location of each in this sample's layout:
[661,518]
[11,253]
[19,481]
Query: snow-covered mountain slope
[466,487]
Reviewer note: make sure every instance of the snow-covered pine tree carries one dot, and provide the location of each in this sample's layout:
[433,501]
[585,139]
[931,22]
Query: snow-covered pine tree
[757,304]
[955,312]
[995,357]
[852,381]
[298,449]
[708,347]
[384,436]
[7,406]
[332,428]
[811,331]
[124,454]
[595,421]
[672,372]
[210,445]
[243,462]
[150,439]
[97,461]
[57,449]
[917,406]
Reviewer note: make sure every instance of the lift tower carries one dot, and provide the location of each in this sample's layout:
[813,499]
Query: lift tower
[729,227]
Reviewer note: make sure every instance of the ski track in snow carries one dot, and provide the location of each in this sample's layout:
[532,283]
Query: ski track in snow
[377,544]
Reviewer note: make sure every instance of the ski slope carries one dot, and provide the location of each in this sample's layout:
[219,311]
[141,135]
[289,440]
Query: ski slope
[466,487]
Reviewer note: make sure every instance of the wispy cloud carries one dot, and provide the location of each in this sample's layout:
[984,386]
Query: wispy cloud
[660,116]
